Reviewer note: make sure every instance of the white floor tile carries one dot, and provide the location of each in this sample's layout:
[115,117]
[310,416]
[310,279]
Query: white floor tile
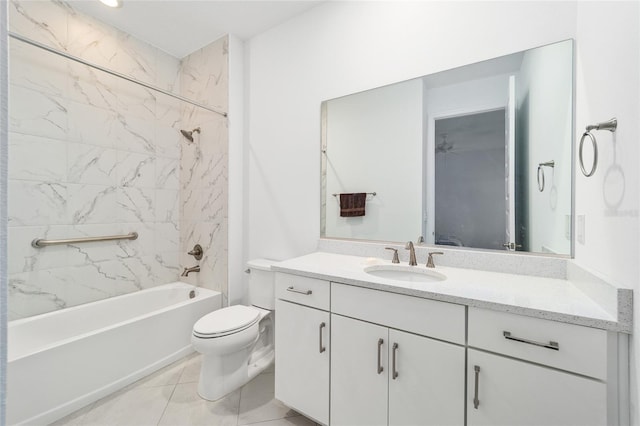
[288,421]
[168,375]
[135,406]
[186,408]
[74,419]
[191,372]
[257,403]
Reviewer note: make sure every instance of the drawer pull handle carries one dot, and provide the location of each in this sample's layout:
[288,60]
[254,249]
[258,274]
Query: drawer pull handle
[394,374]
[293,290]
[551,345]
[476,401]
[322,348]
[380,369]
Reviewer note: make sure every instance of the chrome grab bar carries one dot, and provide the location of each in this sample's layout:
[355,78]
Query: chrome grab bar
[293,290]
[39,242]
[551,345]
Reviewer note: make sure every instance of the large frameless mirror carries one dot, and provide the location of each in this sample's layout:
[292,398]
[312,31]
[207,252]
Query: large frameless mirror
[478,156]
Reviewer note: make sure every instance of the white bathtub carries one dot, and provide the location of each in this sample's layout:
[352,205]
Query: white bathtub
[61,361]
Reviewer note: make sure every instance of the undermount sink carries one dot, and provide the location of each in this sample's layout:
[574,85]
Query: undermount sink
[404,273]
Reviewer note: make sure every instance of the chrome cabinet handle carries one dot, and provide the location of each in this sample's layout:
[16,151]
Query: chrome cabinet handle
[322,348]
[380,342]
[551,345]
[291,289]
[476,401]
[394,374]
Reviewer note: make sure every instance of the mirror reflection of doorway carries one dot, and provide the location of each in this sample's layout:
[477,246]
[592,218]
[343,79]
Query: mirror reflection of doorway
[471,197]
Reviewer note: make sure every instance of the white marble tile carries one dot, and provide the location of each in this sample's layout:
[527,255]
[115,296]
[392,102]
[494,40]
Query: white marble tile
[37,158]
[205,74]
[165,267]
[93,87]
[35,69]
[167,173]
[187,408]
[136,101]
[92,40]
[101,251]
[136,170]
[136,204]
[100,280]
[191,372]
[138,406]
[136,58]
[257,403]
[37,203]
[134,134]
[167,72]
[22,257]
[296,420]
[92,204]
[41,21]
[89,164]
[142,270]
[32,293]
[93,126]
[36,113]
[167,237]
[168,206]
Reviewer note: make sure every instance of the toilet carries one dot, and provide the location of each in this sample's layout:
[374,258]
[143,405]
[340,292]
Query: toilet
[237,342]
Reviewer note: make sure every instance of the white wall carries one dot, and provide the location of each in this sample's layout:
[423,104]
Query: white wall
[368,135]
[545,81]
[341,48]
[608,85]
[345,47]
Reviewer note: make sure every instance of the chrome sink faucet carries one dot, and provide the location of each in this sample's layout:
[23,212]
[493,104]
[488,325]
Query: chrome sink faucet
[187,271]
[412,253]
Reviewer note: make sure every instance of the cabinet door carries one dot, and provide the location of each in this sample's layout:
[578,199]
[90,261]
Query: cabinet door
[358,372]
[428,387]
[513,393]
[302,359]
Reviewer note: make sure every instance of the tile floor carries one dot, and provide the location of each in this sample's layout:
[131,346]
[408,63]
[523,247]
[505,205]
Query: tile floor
[169,397]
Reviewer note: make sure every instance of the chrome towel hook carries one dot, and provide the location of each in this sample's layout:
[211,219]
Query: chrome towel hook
[551,164]
[610,125]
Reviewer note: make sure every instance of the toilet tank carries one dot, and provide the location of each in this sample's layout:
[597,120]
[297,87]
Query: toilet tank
[262,283]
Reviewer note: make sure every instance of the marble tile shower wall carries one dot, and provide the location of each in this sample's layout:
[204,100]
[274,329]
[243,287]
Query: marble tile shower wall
[90,154]
[203,166]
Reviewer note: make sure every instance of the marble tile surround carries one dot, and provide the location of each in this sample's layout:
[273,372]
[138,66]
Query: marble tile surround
[91,154]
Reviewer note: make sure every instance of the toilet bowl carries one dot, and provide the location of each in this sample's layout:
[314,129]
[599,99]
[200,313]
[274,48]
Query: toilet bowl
[237,342]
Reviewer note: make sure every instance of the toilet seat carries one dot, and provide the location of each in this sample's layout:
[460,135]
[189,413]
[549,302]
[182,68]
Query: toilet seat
[223,322]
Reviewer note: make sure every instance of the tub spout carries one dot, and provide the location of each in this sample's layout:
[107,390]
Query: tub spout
[187,271]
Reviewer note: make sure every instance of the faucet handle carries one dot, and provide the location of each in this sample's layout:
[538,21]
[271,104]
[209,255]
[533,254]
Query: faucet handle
[395,255]
[430,263]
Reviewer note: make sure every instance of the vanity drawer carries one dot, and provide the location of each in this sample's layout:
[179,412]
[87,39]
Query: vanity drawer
[440,320]
[303,290]
[568,347]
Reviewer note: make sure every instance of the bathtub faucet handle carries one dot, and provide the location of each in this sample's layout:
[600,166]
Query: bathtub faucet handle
[196,252]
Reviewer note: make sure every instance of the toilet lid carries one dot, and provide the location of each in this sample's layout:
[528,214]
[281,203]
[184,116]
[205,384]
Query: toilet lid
[226,320]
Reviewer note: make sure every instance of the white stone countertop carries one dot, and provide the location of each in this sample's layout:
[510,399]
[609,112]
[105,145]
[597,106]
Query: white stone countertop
[547,298]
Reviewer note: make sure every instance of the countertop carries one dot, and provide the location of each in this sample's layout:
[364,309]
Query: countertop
[546,298]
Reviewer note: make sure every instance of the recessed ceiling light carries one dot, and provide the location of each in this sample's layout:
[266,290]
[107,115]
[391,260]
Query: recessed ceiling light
[112,3]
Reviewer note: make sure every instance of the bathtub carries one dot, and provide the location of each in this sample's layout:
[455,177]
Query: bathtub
[61,361]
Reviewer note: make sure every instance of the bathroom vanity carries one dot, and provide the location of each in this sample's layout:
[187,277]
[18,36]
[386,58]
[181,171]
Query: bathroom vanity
[458,346]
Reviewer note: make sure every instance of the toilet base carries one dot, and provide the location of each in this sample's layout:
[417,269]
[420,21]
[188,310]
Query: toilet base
[219,376]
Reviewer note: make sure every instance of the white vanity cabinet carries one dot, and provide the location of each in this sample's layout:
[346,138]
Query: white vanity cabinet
[303,345]
[532,390]
[381,375]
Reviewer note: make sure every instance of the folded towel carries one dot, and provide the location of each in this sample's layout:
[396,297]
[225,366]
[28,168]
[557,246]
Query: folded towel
[352,205]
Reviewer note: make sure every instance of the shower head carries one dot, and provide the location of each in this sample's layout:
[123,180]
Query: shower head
[189,133]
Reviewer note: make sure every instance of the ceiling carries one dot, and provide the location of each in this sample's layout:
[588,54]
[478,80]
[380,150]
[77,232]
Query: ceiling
[179,27]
